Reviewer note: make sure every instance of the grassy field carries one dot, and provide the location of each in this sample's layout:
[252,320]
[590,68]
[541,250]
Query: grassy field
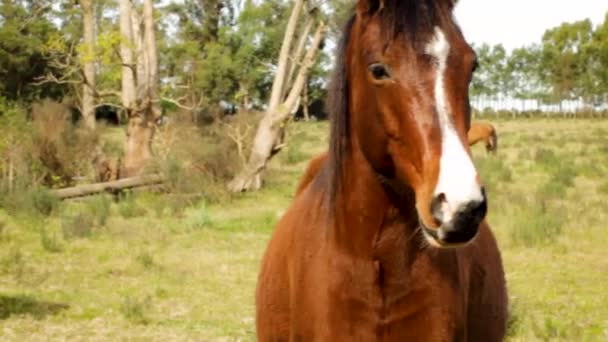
[165,269]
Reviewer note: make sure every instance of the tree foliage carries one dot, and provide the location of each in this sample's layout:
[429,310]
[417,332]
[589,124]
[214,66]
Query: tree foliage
[25,28]
[570,63]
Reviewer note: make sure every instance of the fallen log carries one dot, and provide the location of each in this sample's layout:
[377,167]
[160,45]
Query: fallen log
[112,186]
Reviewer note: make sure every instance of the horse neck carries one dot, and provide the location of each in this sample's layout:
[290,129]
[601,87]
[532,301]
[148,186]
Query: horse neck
[364,205]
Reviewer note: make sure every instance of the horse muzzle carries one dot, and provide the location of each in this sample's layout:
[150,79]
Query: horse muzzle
[457,227]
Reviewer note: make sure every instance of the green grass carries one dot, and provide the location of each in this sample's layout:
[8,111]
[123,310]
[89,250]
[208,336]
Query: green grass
[171,268]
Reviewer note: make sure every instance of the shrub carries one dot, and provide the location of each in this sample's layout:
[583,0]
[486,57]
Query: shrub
[533,223]
[603,189]
[199,160]
[35,201]
[49,241]
[13,263]
[199,217]
[146,259]
[134,309]
[99,207]
[564,175]
[547,159]
[78,226]
[43,201]
[493,172]
[128,206]
[63,149]
[514,319]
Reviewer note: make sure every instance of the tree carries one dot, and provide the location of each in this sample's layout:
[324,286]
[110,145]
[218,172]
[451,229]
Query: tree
[598,66]
[25,29]
[129,68]
[524,70]
[480,85]
[146,111]
[269,139]
[88,61]
[564,61]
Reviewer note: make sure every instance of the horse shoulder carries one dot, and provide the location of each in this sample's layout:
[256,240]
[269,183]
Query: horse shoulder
[291,248]
[311,172]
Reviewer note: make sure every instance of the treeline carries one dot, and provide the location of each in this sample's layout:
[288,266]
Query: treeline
[211,52]
[566,71]
[144,61]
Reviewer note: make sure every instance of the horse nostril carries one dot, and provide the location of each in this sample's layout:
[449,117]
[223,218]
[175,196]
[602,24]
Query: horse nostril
[473,213]
[479,210]
[436,207]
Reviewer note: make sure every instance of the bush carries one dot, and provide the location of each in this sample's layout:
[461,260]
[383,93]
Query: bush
[128,206]
[32,201]
[13,263]
[201,160]
[199,217]
[78,226]
[493,171]
[603,189]
[64,150]
[534,223]
[47,150]
[49,241]
[146,259]
[134,309]
[43,201]
[99,207]
[547,159]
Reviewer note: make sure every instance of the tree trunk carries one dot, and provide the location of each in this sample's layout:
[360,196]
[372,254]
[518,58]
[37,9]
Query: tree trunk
[140,72]
[88,91]
[11,173]
[297,56]
[113,186]
[305,102]
[142,121]
[280,76]
[269,139]
[151,57]
[126,54]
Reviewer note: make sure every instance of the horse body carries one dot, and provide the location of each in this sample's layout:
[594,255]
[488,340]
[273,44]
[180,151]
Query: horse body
[481,131]
[385,239]
[387,285]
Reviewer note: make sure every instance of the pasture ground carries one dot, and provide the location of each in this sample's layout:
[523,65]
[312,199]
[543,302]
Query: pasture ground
[159,268]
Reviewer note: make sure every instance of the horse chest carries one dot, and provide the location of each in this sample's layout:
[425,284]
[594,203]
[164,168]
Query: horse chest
[420,305]
[369,300]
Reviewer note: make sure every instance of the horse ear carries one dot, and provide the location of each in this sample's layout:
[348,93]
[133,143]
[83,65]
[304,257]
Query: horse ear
[366,8]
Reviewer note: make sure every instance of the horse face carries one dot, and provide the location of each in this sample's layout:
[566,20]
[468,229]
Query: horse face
[411,115]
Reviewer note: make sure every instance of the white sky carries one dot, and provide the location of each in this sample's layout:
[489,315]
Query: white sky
[515,23]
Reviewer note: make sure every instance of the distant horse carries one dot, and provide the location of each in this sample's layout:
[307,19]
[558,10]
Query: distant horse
[385,240]
[483,131]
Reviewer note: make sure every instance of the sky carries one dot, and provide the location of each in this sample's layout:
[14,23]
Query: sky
[515,23]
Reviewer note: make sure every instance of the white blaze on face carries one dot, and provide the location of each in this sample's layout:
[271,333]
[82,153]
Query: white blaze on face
[457,175]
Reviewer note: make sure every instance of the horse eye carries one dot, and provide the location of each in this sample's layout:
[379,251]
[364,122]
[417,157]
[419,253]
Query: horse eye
[379,71]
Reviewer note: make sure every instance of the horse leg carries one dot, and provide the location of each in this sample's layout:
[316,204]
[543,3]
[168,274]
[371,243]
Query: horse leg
[489,148]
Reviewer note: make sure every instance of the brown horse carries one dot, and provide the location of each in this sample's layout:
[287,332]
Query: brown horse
[385,240]
[483,131]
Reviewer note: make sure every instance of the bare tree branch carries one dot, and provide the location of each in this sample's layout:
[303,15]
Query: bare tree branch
[182,106]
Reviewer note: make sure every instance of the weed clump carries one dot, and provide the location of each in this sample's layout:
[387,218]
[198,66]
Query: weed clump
[78,226]
[134,309]
[493,172]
